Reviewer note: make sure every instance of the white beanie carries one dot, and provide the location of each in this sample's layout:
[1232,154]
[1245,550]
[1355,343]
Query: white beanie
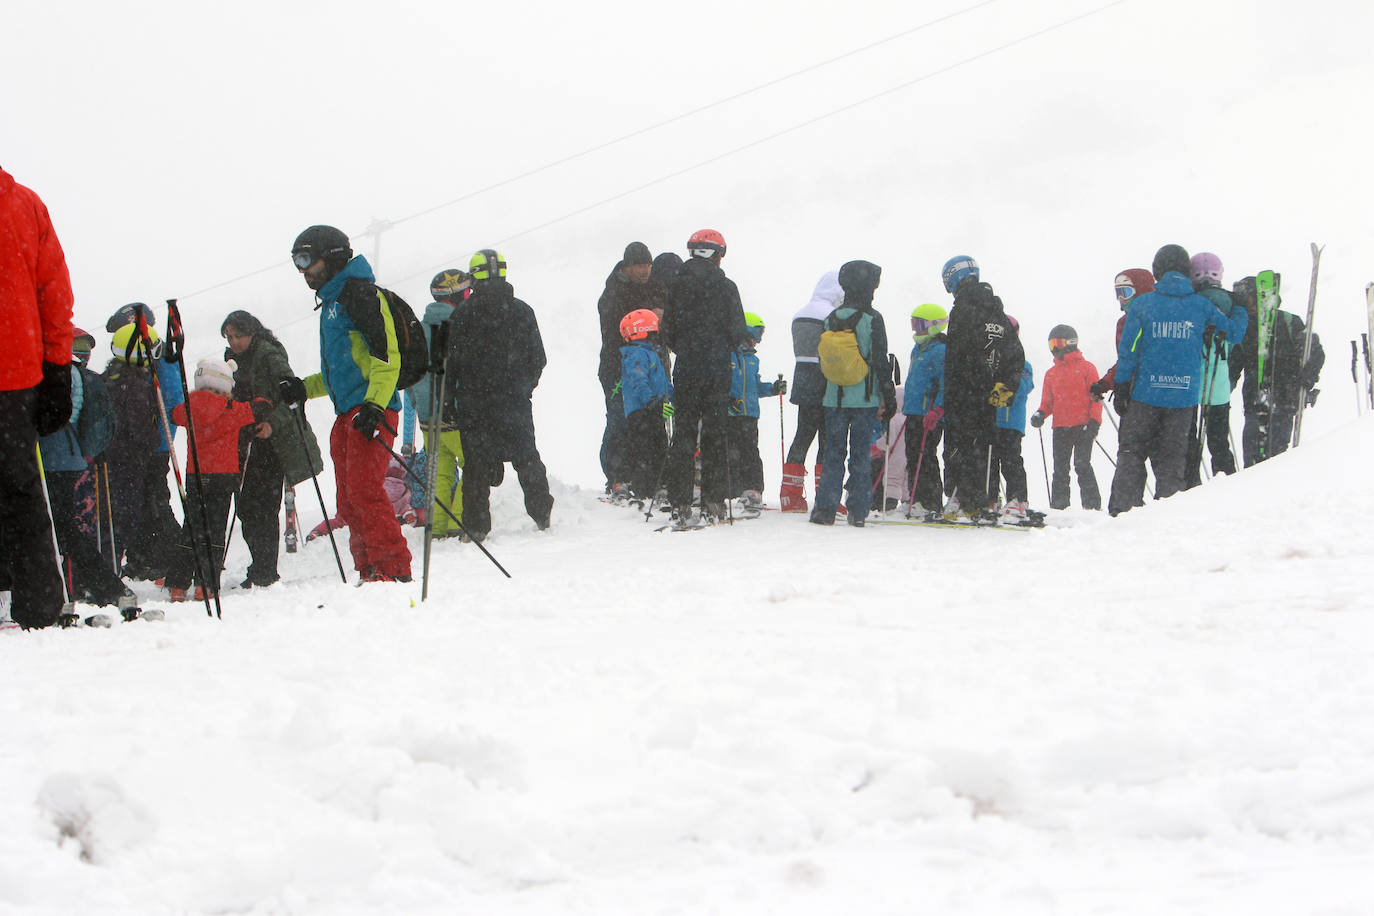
[215,375]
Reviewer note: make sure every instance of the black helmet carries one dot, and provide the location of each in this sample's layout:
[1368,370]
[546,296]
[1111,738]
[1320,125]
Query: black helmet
[1171,257]
[128,314]
[1063,339]
[321,242]
[447,284]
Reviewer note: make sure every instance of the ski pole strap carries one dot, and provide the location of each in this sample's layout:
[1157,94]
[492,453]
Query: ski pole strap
[176,337]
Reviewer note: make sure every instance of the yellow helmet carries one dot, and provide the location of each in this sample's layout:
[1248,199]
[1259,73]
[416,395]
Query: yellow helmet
[128,346]
[487,264]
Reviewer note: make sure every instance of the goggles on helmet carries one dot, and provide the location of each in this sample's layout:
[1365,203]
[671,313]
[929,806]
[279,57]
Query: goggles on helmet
[925,327]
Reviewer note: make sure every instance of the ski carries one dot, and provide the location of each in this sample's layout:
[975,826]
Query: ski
[1369,312]
[1267,310]
[1307,342]
[105,621]
[291,536]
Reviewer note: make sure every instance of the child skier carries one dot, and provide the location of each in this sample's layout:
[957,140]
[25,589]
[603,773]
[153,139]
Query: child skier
[648,399]
[1006,446]
[923,402]
[1077,416]
[217,420]
[742,424]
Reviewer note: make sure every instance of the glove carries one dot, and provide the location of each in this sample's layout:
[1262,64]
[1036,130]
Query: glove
[1001,395]
[780,386]
[1121,401]
[369,417]
[53,404]
[1093,427]
[668,409]
[1310,377]
[292,391]
[1099,389]
[888,408]
[932,419]
[262,408]
[1038,419]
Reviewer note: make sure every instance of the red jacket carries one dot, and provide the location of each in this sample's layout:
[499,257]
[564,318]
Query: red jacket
[35,290]
[218,421]
[1065,394]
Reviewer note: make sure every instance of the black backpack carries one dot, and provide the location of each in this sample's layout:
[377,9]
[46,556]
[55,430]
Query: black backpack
[95,428]
[410,340]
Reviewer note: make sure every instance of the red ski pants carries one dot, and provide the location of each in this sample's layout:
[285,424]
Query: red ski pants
[374,535]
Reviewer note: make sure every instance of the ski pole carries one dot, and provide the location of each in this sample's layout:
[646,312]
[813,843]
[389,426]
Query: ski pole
[234,515]
[782,432]
[1148,488]
[146,342]
[1109,457]
[67,616]
[915,478]
[457,521]
[103,471]
[300,424]
[438,355]
[1354,377]
[1045,467]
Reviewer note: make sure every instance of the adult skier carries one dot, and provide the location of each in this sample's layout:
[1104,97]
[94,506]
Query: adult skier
[360,362]
[1158,378]
[1212,420]
[983,364]
[808,390]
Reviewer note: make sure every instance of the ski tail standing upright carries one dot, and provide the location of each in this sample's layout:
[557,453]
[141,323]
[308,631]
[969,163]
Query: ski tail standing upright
[702,324]
[360,361]
[808,390]
[35,397]
[984,360]
[1212,421]
[858,392]
[1158,382]
[495,359]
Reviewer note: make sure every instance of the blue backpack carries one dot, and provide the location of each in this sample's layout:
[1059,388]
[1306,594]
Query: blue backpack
[96,427]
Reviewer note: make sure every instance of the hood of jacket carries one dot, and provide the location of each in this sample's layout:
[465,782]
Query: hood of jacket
[859,280]
[825,299]
[1174,284]
[356,268]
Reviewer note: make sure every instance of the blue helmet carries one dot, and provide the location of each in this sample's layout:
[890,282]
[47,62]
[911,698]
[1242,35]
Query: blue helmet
[956,269]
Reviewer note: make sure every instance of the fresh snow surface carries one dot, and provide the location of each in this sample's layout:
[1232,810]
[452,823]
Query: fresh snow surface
[1170,712]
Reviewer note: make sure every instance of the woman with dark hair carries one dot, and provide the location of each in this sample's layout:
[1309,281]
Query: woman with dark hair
[267,461]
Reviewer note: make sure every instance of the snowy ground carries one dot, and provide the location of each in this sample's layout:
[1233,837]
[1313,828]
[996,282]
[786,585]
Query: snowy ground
[1171,712]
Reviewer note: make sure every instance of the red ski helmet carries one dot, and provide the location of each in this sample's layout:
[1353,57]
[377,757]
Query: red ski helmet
[706,243]
[639,324]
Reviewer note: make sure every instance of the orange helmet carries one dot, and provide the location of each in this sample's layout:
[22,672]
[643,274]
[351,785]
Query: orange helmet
[639,324]
[706,243]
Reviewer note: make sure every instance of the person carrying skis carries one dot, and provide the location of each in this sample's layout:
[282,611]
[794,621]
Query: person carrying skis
[742,420]
[923,402]
[702,324]
[808,390]
[1006,445]
[1212,419]
[449,288]
[495,359]
[1157,378]
[648,399]
[217,419]
[983,365]
[360,364]
[272,454]
[629,287]
[852,410]
[1287,379]
[1067,396]
[35,397]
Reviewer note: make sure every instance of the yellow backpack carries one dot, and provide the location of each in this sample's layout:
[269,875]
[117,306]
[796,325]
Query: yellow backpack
[841,360]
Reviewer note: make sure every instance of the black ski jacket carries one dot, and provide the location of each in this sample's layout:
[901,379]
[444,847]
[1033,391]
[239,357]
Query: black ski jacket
[495,356]
[621,297]
[1289,374]
[703,323]
[983,349]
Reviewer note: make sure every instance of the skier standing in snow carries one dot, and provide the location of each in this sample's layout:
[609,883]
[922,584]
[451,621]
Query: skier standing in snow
[495,359]
[1067,396]
[923,402]
[1006,449]
[742,422]
[648,399]
[360,365]
[1158,382]
[1288,379]
[852,411]
[984,360]
[449,288]
[808,390]
[1212,420]
[702,324]
[629,287]
[35,396]
[272,454]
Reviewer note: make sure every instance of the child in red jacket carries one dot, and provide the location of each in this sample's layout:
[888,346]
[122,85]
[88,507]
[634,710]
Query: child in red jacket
[217,420]
[1077,416]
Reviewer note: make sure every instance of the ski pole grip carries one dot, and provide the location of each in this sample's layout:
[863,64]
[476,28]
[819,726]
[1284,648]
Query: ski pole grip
[175,337]
[438,348]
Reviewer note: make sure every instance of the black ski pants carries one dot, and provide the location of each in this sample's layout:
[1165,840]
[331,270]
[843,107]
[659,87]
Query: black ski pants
[701,402]
[1218,438]
[207,503]
[745,466]
[1280,433]
[810,425]
[922,449]
[1074,445]
[646,445]
[259,507]
[89,573]
[504,433]
[149,547]
[1008,465]
[968,451]
[616,442]
[28,562]
[1161,433]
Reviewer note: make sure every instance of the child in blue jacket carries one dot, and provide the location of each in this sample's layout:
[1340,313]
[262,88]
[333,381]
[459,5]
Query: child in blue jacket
[648,397]
[742,422]
[923,403]
[1006,446]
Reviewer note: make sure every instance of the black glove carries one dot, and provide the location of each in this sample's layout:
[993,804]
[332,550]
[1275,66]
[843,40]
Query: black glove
[889,398]
[1093,427]
[1037,419]
[292,391]
[1099,389]
[780,386]
[369,417]
[262,408]
[53,406]
[1310,377]
[1121,401]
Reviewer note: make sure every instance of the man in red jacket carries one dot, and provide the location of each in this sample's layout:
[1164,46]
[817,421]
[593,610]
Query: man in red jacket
[35,396]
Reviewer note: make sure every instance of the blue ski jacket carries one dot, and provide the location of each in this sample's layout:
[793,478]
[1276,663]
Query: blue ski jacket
[1013,416]
[925,380]
[643,379]
[1160,352]
[745,385]
[360,360]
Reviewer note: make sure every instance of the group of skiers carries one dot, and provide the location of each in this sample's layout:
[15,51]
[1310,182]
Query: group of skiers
[681,381]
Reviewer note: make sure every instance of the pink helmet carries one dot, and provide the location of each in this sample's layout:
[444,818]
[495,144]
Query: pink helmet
[1205,269]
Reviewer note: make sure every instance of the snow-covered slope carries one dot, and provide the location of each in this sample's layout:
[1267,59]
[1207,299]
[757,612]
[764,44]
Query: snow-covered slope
[1172,712]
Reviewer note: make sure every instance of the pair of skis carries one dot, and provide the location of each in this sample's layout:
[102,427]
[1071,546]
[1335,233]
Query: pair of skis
[1267,308]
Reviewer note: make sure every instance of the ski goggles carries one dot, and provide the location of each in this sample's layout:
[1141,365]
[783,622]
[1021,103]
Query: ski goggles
[303,259]
[927,327]
[1062,343]
[1125,293]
